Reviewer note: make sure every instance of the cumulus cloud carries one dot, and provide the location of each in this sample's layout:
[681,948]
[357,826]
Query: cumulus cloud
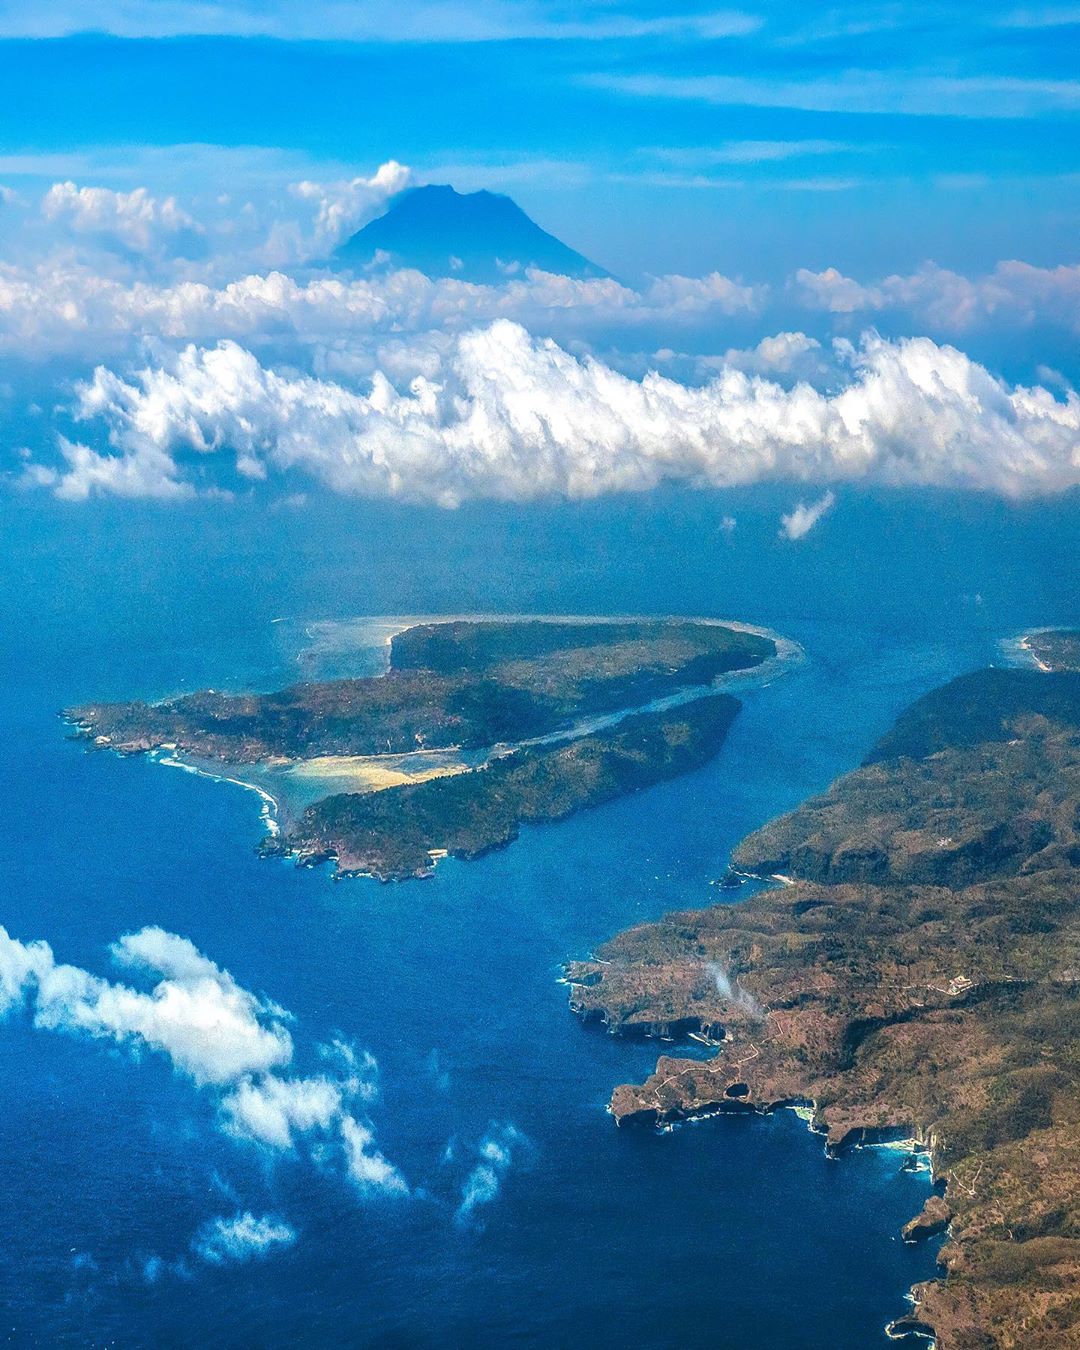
[137,219]
[212,1030]
[791,354]
[344,206]
[496,1153]
[501,414]
[220,1036]
[275,1111]
[803,519]
[66,308]
[1016,293]
[243,1237]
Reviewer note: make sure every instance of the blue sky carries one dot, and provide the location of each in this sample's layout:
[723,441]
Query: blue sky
[753,139]
[843,239]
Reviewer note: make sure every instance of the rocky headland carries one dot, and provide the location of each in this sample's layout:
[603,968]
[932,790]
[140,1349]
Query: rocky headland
[918,977]
[1054,649]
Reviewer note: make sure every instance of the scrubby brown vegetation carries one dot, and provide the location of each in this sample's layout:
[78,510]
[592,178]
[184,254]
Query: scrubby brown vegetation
[922,974]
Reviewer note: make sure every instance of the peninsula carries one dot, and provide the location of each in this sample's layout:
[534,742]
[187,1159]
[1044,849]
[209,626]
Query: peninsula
[556,715]
[919,977]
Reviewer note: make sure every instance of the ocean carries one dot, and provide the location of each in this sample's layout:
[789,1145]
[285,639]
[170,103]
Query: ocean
[529,1218]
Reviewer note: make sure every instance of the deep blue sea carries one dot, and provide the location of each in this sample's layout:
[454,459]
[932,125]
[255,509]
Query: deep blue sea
[730,1232]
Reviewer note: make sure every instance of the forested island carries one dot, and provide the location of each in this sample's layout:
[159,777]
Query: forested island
[559,713]
[918,977]
[393,834]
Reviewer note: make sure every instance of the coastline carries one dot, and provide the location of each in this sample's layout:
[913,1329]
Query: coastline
[881,1137]
[270,808]
[300,783]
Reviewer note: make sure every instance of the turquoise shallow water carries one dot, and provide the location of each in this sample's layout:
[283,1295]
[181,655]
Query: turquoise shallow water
[731,1232]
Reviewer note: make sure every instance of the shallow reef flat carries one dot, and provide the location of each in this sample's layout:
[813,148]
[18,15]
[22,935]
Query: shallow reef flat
[398,833]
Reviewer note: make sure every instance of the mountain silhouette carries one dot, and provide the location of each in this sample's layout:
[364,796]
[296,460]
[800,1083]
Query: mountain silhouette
[474,236]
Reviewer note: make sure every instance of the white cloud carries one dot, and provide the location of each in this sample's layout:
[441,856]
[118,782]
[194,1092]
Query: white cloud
[196,1014]
[274,1111]
[500,414]
[66,308]
[62,307]
[496,1153]
[914,93]
[365,1164]
[1054,16]
[832,291]
[242,1238]
[344,206]
[1014,292]
[803,519]
[222,1037]
[50,310]
[135,219]
[791,354]
[755,152]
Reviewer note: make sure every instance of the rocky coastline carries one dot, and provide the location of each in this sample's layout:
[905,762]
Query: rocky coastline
[920,977]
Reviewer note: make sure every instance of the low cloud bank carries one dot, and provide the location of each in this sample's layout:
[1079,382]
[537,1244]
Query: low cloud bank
[64,308]
[1015,293]
[496,413]
[90,267]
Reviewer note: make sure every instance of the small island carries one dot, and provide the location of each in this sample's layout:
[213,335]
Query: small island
[394,834]
[548,716]
[1053,649]
[914,974]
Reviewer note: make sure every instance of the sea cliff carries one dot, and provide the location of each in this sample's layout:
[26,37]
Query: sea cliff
[920,977]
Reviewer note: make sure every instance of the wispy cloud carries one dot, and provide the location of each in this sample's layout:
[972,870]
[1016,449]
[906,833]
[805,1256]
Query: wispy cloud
[755,152]
[911,93]
[1049,16]
[376,21]
[804,517]
[495,1154]
[243,1237]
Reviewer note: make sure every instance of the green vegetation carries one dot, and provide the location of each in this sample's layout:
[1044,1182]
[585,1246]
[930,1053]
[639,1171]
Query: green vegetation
[923,973]
[471,685]
[477,686]
[392,834]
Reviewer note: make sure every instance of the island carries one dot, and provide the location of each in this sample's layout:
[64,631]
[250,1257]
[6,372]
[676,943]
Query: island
[394,834]
[548,716]
[913,973]
[1053,649]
